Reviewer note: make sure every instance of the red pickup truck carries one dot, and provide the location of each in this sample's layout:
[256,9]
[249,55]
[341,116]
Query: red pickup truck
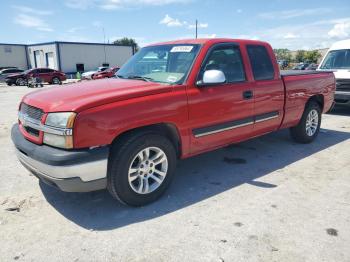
[170,101]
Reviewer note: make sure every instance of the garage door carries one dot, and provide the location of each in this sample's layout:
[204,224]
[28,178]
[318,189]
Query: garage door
[37,59]
[50,60]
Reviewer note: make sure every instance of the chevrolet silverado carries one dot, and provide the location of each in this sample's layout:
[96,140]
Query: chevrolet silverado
[170,101]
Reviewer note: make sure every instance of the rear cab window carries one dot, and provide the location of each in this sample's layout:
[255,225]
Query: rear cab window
[260,62]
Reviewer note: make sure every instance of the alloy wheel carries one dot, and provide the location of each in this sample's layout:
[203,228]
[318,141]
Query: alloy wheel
[148,170]
[312,122]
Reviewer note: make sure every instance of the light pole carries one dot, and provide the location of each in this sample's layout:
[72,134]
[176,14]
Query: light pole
[196,28]
[104,44]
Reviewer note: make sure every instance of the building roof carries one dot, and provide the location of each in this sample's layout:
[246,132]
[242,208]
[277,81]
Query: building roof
[63,42]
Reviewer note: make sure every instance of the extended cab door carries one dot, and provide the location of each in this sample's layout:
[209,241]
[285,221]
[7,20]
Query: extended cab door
[268,89]
[222,113]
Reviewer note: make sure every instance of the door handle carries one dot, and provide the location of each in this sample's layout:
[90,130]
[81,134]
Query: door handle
[248,94]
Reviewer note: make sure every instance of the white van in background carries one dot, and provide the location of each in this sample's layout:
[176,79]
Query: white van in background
[337,60]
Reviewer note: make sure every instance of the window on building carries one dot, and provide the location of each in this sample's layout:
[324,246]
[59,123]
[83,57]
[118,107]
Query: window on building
[80,67]
[8,49]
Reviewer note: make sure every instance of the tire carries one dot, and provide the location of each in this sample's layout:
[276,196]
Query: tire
[56,81]
[21,82]
[301,133]
[125,157]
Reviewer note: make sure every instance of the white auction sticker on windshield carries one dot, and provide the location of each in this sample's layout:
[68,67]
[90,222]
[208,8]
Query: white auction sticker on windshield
[172,79]
[181,48]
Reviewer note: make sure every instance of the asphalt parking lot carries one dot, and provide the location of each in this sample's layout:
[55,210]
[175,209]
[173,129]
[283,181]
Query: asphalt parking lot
[268,199]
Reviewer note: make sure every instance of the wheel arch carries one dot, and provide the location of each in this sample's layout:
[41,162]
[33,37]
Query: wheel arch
[319,99]
[168,130]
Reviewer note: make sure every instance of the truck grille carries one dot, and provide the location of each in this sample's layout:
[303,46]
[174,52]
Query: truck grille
[31,112]
[343,84]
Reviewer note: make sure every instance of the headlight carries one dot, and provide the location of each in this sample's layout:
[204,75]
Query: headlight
[62,124]
[62,120]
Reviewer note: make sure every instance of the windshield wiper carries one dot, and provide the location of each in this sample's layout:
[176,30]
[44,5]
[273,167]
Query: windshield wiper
[143,78]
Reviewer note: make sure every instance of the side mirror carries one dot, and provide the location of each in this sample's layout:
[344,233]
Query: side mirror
[212,77]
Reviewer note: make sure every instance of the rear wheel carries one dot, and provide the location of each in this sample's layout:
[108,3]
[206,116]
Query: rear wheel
[309,126]
[141,168]
[56,81]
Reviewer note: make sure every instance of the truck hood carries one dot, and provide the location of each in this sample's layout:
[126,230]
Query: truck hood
[338,73]
[80,96]
[342,74]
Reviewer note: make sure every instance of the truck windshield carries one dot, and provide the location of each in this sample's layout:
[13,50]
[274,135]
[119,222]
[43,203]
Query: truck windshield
[337,59]
[164,64]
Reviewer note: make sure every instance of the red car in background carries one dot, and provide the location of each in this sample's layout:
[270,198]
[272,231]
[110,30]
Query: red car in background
[48,75]
[110,72]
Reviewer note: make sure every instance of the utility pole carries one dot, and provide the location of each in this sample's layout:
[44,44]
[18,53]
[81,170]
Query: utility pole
[196,28]
[104,43]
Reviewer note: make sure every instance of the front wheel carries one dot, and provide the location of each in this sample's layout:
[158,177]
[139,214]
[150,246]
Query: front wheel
[21,82]
[141,168]
[309,126]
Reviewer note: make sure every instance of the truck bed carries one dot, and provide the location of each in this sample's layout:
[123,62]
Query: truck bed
[299,86]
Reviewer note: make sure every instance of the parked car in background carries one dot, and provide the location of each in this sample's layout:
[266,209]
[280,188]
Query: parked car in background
[7,67]
[301,66]
[8,71]
[48,75]
[337,60]
[88,74]
[110,72]
[312,67]
[127,133]
[283,64]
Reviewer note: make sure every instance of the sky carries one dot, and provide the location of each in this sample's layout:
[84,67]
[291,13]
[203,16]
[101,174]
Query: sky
[297,24]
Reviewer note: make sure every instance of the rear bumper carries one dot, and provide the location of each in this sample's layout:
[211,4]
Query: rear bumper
[69,170]
[342,98]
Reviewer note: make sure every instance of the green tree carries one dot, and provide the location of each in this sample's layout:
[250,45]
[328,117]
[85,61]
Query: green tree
[127,41]
[300,56]
[283,54]
[312,56]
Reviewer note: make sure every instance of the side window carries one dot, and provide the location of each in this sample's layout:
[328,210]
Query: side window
[46,70]
[261,62]
[227,59]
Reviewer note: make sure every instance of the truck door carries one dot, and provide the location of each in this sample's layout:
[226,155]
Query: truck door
[268,90]
[222,113]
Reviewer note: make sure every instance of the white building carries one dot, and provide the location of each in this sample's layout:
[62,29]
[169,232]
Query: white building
[13,55]
[68,57]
